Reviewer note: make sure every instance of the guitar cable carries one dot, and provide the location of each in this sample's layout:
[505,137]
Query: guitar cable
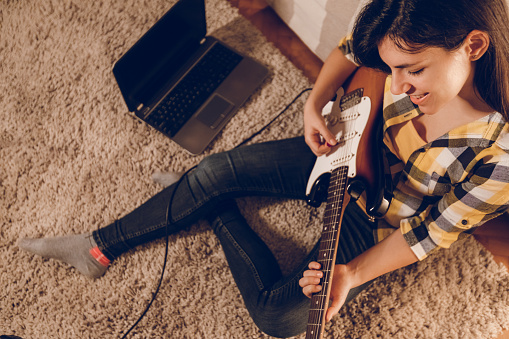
[170,221]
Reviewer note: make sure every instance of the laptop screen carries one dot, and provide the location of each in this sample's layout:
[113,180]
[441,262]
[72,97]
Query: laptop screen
[159,54]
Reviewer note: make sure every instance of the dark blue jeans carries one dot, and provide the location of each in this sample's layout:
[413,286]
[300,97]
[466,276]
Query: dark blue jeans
[279,169]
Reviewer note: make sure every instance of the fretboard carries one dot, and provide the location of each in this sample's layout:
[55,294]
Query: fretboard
[327,251]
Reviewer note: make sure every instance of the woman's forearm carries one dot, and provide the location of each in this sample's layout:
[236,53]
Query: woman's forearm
[336,69]
[388,255]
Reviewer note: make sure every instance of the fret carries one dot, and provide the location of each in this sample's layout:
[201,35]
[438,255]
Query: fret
[327,250]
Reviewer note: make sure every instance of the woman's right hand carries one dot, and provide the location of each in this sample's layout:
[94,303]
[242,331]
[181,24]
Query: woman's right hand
[335,71]
[317,135]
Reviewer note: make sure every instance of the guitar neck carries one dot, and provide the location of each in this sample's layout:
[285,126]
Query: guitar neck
[327,251]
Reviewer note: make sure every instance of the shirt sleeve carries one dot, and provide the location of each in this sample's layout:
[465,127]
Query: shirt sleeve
[345,46]
[483,196]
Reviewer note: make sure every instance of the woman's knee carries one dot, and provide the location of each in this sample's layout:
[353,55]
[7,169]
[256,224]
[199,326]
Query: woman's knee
[215,164]
[281,322]
[213,170]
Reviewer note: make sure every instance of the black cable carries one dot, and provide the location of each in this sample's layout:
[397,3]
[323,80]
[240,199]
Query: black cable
[274,119]
[169,220]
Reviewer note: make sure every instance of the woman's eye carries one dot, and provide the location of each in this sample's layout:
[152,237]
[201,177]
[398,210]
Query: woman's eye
[416,72]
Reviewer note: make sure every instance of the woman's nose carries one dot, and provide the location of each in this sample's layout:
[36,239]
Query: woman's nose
[399,84]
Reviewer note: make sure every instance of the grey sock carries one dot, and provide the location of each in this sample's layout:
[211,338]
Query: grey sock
[73,250]
[166,179]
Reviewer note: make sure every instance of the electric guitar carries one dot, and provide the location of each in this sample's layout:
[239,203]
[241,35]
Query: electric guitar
[347,171]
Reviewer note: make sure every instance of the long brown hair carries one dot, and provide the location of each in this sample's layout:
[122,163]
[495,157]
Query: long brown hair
[417,24]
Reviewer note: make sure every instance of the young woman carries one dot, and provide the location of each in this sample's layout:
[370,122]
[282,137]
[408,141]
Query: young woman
[445,137]
[445,111]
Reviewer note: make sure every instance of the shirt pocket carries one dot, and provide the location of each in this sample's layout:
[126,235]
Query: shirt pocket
[438,185]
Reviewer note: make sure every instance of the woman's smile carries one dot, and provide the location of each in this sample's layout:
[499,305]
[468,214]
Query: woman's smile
[418,99]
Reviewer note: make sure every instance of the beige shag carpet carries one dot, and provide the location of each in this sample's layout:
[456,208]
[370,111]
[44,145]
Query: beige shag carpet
[72,160]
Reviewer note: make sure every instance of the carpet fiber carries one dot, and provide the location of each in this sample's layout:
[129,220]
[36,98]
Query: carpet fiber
[73,159]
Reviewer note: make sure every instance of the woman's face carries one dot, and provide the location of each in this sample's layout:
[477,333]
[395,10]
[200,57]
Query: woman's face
[434,78]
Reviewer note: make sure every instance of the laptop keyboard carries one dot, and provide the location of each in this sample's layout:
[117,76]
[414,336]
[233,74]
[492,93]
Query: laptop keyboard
[194,89]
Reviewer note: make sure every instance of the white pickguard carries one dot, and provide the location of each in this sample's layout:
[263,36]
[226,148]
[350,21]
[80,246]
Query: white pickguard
[348,126]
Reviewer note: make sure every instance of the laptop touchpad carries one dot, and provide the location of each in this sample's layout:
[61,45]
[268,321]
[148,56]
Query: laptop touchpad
[215,111]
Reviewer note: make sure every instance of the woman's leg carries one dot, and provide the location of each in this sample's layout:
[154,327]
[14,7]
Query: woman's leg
[279,168]
[276,303]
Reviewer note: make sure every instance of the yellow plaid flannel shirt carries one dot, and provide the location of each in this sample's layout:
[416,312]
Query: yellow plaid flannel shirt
[448,187]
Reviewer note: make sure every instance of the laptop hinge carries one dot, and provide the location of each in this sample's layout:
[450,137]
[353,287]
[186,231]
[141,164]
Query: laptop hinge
[142,110]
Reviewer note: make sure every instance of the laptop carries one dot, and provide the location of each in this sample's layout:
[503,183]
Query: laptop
[183,83]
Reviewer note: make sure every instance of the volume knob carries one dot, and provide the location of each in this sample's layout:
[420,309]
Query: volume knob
[332,119]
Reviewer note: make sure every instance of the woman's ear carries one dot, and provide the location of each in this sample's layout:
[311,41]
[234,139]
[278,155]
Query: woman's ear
[476,43]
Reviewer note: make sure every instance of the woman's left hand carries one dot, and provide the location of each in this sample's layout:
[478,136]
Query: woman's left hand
[342,282]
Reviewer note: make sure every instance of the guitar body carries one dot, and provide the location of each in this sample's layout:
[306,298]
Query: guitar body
[358,134]
[353,118]
[347,124]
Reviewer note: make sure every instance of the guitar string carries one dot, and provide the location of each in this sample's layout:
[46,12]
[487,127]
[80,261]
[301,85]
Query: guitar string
[320,298]
[327,238]
[337,180]
[335,214]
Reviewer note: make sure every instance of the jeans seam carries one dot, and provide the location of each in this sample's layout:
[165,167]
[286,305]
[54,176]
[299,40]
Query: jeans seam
[133,235]
[103,246]
[244,256]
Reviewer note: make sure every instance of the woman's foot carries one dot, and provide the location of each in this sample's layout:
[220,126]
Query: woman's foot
[79,251]
[166,179]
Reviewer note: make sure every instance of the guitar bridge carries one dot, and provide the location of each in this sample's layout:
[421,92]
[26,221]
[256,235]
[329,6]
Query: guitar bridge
[351,99]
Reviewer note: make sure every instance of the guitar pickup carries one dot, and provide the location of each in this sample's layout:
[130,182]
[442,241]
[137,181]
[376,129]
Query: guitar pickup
[346,137]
